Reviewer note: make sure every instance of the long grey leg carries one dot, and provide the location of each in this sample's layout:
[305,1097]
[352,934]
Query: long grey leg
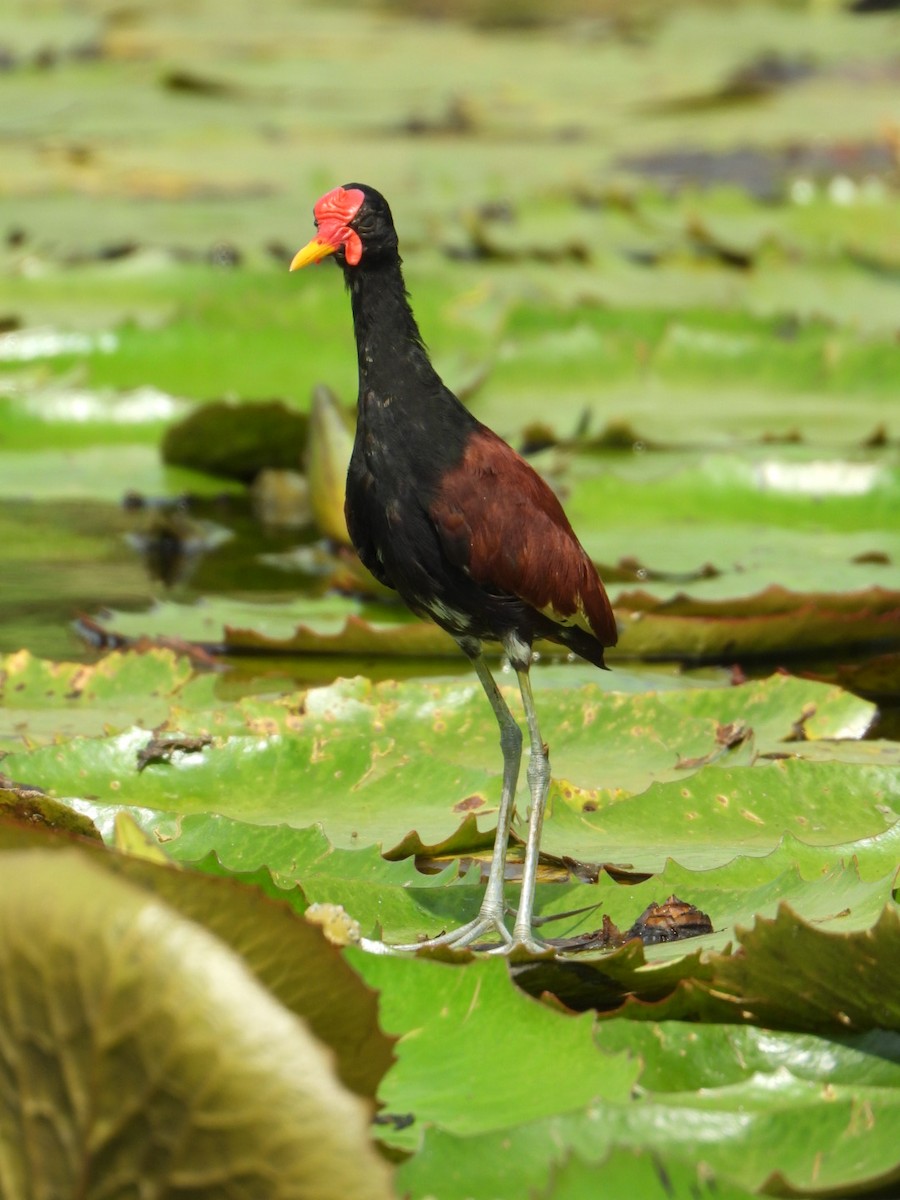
[490,915]
[538,773]
[511,746]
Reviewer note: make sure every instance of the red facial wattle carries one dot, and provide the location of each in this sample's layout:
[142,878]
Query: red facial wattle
[333,214]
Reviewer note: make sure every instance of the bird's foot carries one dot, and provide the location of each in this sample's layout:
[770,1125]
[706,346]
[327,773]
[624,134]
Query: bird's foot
[483,925]
[530,944]
[523,939]
[466,935]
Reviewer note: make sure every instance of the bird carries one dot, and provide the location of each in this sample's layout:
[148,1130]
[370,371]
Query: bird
[446,513]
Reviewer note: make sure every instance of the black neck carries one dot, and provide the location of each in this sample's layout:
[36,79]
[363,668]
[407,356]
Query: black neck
[388,343]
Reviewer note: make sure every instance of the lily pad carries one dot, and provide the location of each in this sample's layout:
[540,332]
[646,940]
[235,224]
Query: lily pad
[41,700]
[781,790]
[727,1121]
[410,755]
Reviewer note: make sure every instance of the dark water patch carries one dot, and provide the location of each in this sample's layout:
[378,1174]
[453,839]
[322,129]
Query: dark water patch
[765,173]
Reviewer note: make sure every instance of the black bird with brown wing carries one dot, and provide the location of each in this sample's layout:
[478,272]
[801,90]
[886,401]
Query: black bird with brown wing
[445,512]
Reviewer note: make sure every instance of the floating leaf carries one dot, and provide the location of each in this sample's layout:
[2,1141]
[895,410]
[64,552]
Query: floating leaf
[728,1097]
[788,974]
[646,1174]
[40,700]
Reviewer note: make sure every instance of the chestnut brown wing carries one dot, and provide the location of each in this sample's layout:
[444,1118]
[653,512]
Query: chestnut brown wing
[501,523]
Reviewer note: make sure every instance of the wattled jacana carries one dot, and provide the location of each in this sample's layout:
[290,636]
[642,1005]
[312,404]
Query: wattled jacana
[445,512]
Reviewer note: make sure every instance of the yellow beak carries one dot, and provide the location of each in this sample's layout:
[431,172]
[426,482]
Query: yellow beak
[313,251]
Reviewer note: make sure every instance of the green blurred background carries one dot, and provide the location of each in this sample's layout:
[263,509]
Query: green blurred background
[656,244]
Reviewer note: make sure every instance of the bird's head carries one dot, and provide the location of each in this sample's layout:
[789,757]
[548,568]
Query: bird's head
[353,223]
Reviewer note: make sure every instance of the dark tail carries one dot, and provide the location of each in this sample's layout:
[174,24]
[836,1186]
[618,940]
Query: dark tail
[585,645]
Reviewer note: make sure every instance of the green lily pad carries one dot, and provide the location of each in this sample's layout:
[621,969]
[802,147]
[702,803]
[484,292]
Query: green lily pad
[769,623]
[704,1093]
[42,701]
[646,1174]
[95,473]
[722,811]
[498,1020]
[423,757]
[812,993]
[418,768]
[839,888]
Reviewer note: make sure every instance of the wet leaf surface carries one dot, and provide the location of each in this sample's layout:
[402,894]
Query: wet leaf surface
[728,1117]
[751,822]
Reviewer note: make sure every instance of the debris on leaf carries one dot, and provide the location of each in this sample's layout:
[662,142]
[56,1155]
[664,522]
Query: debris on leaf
[673,921]
[104,638]
[335,922]
[728,736]
[25,791]
[161,749]
[394,1120]
[669,922]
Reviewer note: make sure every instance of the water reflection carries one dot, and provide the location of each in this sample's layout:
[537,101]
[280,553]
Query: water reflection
[170,540]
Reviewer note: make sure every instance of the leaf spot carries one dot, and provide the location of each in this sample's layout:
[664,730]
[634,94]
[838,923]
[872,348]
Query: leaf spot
[468,804]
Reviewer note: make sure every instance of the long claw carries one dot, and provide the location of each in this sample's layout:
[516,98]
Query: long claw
[486,922]
[467,935]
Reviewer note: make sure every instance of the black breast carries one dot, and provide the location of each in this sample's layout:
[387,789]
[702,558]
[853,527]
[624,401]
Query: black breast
[401,451]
